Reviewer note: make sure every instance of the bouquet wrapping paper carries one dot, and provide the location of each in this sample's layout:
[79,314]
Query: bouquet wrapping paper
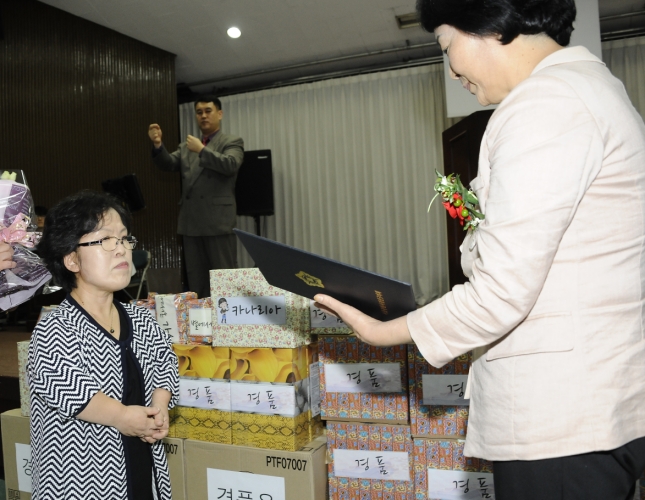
[369,437]
[364,406]
[435,421]
[20,283]
[242,318]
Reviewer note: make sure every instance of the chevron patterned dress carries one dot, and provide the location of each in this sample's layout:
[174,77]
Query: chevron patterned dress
[71,358]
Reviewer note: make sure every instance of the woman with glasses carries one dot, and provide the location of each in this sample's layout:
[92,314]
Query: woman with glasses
[102,374]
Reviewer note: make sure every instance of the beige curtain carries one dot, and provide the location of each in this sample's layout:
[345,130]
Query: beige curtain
[626,60]
[353,170]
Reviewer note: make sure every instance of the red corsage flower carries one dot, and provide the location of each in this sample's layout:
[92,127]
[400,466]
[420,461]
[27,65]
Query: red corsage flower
[461,203]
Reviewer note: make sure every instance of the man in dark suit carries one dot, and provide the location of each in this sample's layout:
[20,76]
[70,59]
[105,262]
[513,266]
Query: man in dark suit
[207,213]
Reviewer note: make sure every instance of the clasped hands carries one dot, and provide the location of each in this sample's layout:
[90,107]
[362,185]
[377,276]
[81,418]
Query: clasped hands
[150,424]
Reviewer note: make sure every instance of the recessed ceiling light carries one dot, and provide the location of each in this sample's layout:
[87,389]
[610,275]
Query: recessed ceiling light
[234,32]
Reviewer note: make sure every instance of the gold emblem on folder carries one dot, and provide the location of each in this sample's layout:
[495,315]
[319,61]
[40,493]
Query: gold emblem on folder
[310,280]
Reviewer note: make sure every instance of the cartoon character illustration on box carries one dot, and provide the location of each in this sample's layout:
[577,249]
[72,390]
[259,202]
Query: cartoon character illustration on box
[223,307]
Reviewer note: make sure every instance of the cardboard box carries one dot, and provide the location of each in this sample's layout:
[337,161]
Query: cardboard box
[359,361]
[436,421]
[15,430]
[448,455]
[23,381]
[176,460]
[244,471]
[373,447]
[248,312]
[16,451]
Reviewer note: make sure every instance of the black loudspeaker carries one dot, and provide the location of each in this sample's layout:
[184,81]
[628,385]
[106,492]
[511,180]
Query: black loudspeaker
[254,186]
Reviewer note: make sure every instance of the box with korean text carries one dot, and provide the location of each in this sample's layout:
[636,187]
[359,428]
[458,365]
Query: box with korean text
[369,461]
[224,471]
[248,312]
[437,404]
[442,471]
[362,382]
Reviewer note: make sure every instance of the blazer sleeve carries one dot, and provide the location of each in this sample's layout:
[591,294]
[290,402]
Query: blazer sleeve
[545,149]
[55,367]
[227,162]
[167,161]
[166,374]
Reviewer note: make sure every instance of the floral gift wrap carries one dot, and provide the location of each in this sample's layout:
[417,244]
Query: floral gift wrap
[23,350]
[200,321]
[248,312]
[172,315]
[369,461]
[204,408]
[438,409]
[362,382]
[442,471]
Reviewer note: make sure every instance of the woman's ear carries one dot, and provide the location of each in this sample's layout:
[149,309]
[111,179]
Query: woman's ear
[71,262]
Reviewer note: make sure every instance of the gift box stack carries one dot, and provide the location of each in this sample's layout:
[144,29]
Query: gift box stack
[364,400]
[267,330]
[244,364]
[439,421]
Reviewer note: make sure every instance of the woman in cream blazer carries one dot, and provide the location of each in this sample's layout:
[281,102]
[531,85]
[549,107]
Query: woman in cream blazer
[554,303]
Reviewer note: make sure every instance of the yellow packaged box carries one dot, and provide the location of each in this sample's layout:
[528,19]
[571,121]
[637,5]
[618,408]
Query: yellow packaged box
[16,451]
[248,312]
[222,471]
[270,397]
[204,408]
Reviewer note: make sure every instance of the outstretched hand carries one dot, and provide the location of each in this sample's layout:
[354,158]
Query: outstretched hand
[366,328]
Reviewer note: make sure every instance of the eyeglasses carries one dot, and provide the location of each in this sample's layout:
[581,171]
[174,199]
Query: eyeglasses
[109,243]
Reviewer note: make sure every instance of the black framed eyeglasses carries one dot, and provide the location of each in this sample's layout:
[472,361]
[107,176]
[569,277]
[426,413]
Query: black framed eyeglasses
[109,243]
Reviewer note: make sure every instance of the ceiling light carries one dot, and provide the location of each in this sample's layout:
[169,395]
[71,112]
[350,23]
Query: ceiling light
[234,32]
[408,20]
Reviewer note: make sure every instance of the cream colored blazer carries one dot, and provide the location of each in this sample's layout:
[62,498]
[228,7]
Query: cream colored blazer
[554,301]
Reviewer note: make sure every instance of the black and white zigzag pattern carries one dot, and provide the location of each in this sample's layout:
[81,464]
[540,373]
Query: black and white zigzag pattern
[70,360]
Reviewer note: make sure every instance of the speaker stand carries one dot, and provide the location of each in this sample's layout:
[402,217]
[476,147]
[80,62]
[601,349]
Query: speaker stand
[256,218]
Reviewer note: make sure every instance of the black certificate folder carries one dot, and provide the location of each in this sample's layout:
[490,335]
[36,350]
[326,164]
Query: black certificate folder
[308,274]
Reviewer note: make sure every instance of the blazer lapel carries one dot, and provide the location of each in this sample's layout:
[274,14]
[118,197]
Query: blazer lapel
[193,160]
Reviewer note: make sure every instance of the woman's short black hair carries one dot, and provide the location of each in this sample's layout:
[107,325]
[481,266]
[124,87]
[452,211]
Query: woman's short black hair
[67,222]
[504,18]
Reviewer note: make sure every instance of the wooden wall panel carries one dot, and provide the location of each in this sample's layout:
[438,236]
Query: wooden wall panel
[75,103]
